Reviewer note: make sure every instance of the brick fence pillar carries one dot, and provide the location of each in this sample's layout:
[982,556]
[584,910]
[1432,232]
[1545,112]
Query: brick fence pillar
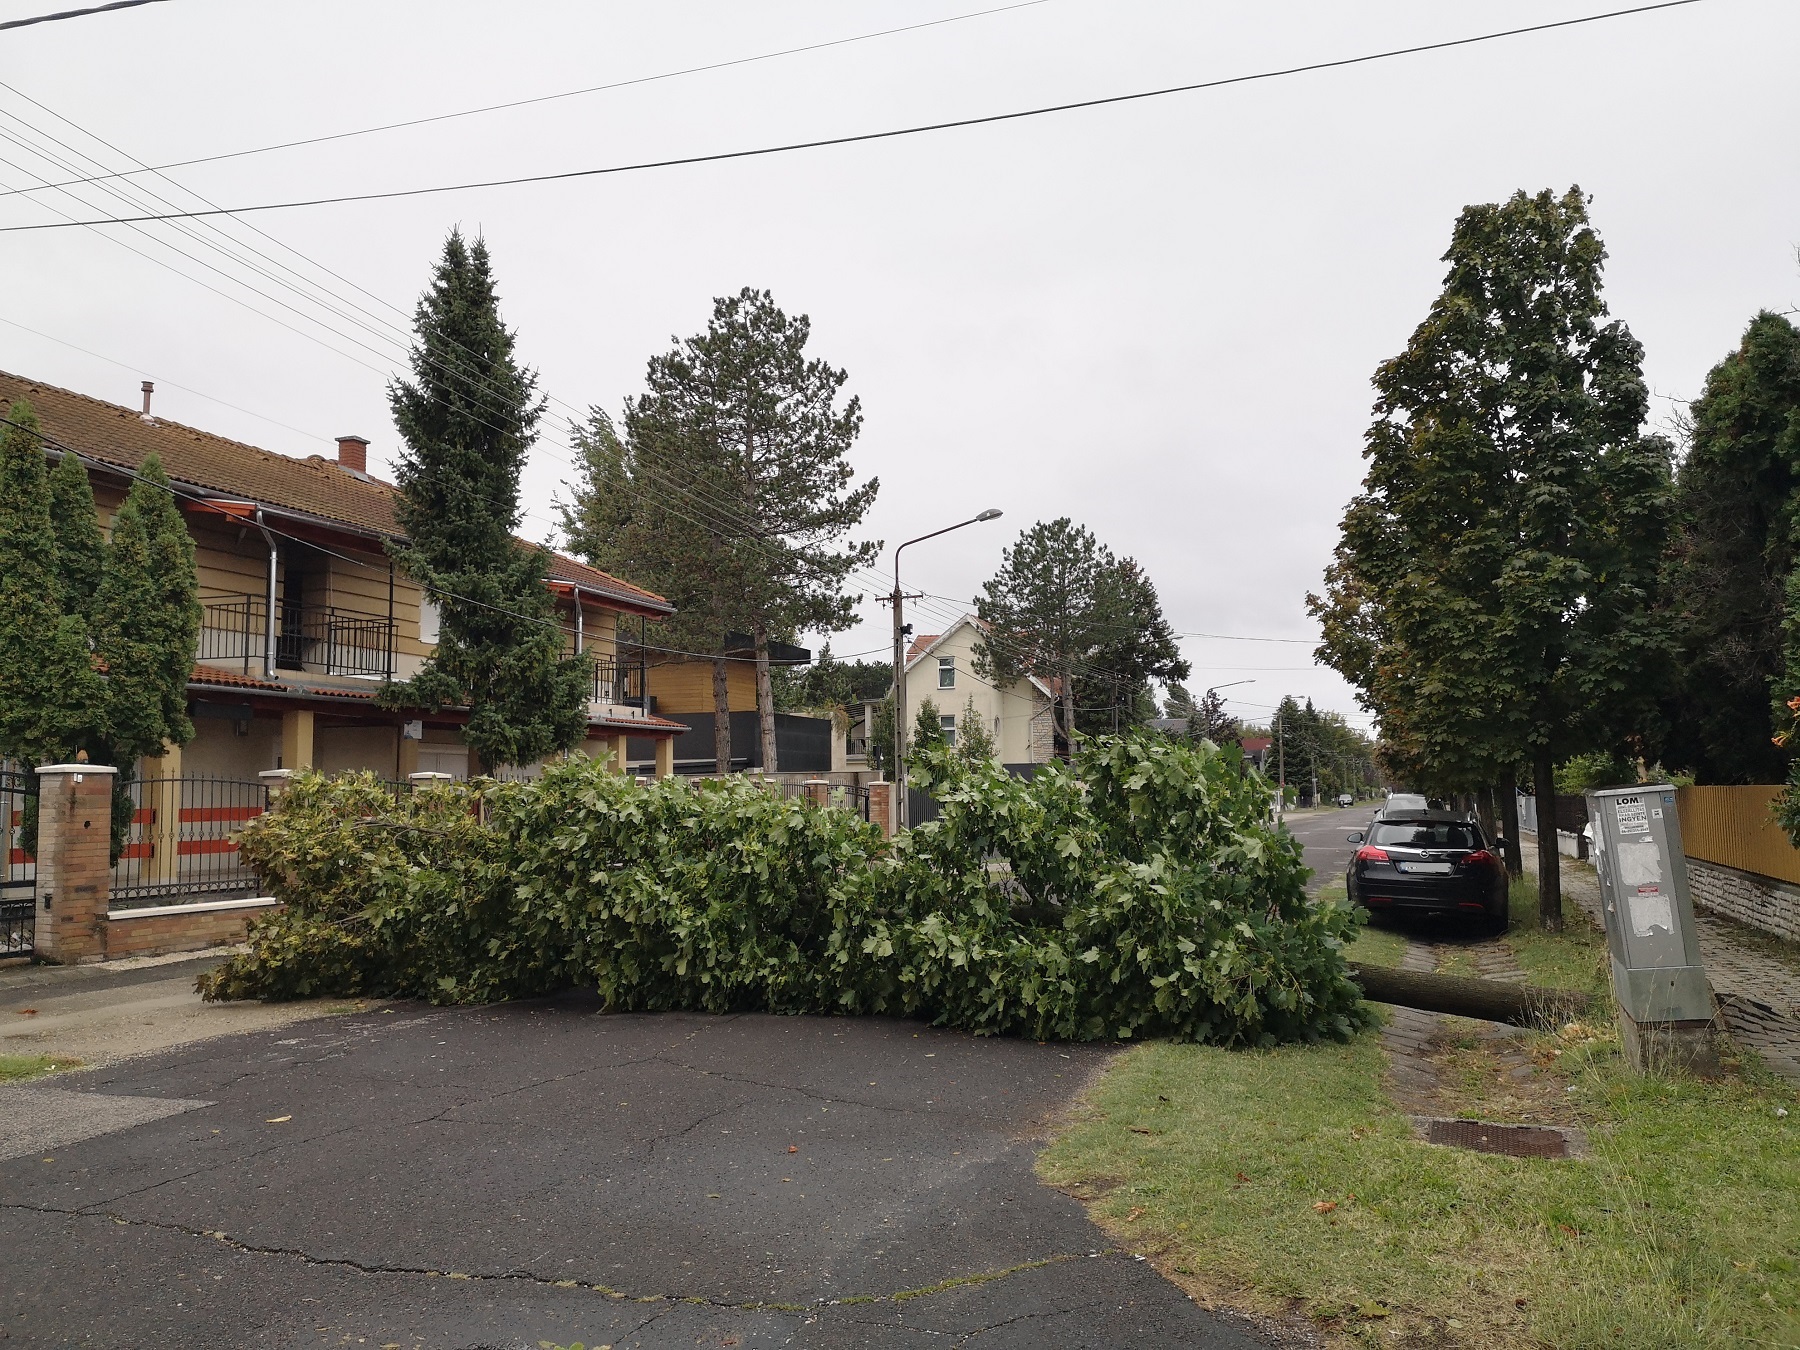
[74,860]
[816,791]
[881,807]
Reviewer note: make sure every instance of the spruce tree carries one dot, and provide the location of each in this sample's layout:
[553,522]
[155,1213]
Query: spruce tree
[468,419]
[50,694]
[147,623]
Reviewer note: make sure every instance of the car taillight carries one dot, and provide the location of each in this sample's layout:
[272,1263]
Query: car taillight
[1481,858]
[1369,853]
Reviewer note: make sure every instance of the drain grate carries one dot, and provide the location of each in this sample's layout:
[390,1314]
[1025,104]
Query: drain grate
[1515,1141]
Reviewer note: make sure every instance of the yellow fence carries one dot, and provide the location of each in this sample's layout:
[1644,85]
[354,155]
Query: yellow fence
[1734,827]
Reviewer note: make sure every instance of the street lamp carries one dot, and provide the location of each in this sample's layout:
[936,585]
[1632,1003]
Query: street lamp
[900,659]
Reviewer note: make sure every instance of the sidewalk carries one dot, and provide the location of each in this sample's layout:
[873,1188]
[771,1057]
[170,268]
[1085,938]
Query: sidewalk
[106,1011]
[1755,977]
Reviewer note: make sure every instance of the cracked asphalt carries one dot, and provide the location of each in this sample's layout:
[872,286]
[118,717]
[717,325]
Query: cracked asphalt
[544,1172]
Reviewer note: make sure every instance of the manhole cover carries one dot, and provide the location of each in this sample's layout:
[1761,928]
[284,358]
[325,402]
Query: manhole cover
[1515,1141]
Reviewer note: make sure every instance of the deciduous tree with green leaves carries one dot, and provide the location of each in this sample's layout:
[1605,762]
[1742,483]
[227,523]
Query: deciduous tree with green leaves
[1493,592]
[468,418]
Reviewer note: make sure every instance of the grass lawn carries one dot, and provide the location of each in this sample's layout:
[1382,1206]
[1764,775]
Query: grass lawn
[1285,1180]
[17,1068]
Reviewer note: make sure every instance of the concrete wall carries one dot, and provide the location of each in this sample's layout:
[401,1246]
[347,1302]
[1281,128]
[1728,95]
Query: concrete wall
[351,749]
[217,751]
[1762,902]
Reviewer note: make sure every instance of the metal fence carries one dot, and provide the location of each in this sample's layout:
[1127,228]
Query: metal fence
[18,875]
[182,846]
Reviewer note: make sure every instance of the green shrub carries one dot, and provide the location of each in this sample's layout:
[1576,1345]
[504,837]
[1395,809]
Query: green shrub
[1137,892]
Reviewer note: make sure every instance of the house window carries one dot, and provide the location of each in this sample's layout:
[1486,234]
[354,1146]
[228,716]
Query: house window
[428,621]
[948,723]
[946,672]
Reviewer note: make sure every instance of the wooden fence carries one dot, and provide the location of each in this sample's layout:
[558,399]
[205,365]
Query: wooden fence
[1734,827]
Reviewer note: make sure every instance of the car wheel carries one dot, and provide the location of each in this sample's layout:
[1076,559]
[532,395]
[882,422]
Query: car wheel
[1497,924]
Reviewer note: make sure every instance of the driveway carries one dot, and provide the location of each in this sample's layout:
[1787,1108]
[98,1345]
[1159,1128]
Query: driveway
[544,1172]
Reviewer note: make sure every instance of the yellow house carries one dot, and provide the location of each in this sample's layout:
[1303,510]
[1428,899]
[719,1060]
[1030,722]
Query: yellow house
[305,617]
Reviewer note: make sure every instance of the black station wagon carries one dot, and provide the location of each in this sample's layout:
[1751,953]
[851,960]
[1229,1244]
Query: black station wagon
[1429,862]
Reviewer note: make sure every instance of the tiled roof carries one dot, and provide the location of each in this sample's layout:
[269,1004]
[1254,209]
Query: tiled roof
[314,486]
[920,642]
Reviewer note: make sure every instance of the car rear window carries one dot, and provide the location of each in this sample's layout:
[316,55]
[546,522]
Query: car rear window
[1402,801]
[1427,834]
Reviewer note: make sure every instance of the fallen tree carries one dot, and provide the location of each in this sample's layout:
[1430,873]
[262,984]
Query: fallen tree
[1520,1005]
[1137,892]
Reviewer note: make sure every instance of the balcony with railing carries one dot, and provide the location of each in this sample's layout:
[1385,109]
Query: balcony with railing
[618,683]
[315,639]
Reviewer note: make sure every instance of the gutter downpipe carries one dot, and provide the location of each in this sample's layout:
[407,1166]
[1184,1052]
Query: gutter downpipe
[269,612]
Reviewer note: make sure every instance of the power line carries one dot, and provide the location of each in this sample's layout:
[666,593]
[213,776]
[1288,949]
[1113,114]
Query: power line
[542,98]
[862,137]
[1237,637]
[77,13]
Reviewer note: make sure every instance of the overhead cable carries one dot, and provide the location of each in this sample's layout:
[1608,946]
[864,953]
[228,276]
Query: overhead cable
[76,13]
[540,98]
[723,156]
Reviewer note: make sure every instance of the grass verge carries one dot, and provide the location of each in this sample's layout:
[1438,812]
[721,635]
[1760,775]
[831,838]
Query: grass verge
[1286,1181]
[18,1068]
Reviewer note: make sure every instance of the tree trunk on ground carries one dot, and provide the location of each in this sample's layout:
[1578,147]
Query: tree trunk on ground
[721,715]
[765,696]
[1507,791]
[1520,1005]
[1548,860]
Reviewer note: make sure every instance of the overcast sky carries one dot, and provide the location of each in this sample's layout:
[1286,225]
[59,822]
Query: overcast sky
[1159,318]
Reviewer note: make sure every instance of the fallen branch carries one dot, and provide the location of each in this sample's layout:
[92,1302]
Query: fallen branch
[1521,1005]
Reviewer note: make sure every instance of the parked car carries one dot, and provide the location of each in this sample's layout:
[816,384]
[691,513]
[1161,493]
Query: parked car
[1429,862]
[1345,799]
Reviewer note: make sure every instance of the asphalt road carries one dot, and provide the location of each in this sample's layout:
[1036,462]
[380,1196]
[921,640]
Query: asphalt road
[1322,836]
[544,1172]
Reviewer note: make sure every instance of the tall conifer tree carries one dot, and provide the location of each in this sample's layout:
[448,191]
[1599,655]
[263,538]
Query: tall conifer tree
[468,419]
[147,622]
[50,696]
[80,547]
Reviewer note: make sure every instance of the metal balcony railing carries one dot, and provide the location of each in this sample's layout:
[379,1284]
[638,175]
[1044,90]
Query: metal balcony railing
[320,639]
[618,682]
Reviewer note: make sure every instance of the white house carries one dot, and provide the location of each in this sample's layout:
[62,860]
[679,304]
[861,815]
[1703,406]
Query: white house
[1016,713]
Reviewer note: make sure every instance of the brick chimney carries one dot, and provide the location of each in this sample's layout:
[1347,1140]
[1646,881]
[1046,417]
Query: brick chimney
[353,453]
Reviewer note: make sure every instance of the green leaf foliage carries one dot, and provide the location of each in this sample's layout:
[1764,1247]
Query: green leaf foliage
[1736,544]
[1136,892]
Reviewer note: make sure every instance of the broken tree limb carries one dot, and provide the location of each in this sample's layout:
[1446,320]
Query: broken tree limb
[1520,1005]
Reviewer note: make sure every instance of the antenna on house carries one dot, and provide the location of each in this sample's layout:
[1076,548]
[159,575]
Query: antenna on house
[149,389]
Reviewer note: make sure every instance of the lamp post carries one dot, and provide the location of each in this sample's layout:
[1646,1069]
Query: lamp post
[900,660]
[1214,688]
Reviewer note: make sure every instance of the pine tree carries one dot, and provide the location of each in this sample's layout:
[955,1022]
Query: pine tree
[468,419]
[928,725]
[1493,592]
[1135,646]
[735,481]
[148,622]
[50,695]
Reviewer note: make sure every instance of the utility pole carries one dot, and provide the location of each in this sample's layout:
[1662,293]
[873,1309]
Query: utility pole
[1280,767]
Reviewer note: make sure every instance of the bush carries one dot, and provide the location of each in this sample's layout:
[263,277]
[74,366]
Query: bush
[1137,892]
